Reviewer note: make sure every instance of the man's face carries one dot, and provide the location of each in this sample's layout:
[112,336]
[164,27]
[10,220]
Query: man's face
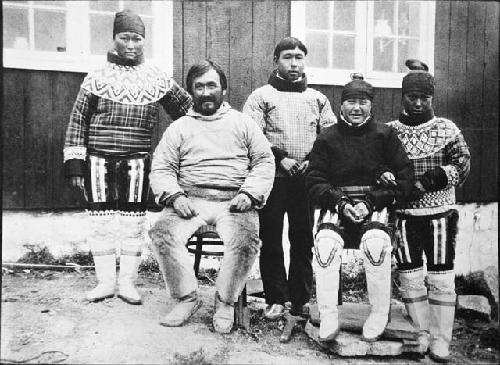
[291,64]
[129,45]
[417,103]
[356,111]
[207,93]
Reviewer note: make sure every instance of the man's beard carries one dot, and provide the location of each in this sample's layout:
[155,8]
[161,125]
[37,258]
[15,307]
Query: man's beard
[198,105]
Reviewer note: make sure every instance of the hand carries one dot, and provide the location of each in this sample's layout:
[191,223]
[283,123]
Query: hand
[387,179]
[303,167]
[184,207]
[240,203]
[419,186]
[361,210]
[350,213]
[78,182]
[290,165]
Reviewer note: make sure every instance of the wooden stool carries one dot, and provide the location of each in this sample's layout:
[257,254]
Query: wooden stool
[207,235]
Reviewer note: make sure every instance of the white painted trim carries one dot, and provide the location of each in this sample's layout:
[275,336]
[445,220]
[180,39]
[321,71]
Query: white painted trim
[77,57]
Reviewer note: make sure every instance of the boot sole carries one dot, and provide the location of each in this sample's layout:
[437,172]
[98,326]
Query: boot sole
[100,299]
[439,359]
[180,323]
[130,300]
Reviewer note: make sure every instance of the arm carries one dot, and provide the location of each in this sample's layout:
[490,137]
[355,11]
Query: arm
[259,181]
[176,101]
[455,170]
[75,145]
[165,167]
[326,116]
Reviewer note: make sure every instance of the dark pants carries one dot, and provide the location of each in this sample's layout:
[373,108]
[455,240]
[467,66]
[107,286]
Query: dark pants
[288,196]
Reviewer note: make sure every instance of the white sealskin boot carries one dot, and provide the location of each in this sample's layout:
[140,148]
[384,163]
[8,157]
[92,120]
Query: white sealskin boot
[105,271]
[376,246]
[442,300]
[128,274]
[414,295]
[327,249]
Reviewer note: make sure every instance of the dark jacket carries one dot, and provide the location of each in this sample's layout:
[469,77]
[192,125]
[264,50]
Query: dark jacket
[344,155]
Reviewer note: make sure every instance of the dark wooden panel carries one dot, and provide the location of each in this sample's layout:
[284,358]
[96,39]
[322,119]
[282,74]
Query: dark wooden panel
[282,16]
[195,30]
[441,55]
[263,41]
[178,42]
[240,71]
[37,126]
[13,138]
[218,28]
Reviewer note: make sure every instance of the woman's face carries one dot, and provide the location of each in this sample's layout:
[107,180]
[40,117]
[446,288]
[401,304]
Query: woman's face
[129,45]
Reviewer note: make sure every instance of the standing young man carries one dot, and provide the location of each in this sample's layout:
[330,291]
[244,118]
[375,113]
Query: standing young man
[106,152]
[212,166]
[291,115]
[428,223]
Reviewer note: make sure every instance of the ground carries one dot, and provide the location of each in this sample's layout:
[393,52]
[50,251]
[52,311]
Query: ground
[45,320]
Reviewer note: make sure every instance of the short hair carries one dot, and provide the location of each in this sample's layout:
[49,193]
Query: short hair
[201,68]
[289,43]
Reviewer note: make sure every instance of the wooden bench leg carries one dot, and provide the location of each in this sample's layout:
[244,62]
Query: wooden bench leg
[241,313]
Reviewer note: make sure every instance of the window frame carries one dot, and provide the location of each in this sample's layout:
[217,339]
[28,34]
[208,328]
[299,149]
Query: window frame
[364,46]
[77,57]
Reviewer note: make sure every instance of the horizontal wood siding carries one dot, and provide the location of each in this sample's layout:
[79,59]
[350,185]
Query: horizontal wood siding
[240,36]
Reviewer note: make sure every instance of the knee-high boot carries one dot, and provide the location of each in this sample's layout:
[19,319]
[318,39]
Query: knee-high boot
[376,246]
[442,300]
[414,294]
[328,248]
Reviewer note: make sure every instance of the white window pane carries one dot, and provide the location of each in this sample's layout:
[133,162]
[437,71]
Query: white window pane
[15,28]
[409,18]
[148,47]
[383,50]
[140,7]
[383,18]
[113,6]
[343,15]
[50,31]
[407,48]
[58,4]
[101,33]
[317,14]
[317,45]
[343,52]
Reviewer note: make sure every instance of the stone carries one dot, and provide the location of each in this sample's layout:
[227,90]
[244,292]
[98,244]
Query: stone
[353,316]
[473,306]
[491,278]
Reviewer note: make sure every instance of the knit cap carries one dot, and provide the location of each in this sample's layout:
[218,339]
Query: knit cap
[418,79]
[128,21]
[358,88]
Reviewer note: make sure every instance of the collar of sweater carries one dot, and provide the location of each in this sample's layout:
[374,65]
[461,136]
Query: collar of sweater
[113,57]
[281,84]
[223,109]
[413,120]
[353,128]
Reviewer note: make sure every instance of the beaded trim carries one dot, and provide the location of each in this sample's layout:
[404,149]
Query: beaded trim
[75,152]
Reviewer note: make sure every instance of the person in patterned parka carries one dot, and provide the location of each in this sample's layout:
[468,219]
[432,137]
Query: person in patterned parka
[106,152]
[428,222]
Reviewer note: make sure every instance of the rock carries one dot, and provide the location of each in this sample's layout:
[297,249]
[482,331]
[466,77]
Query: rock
[473,306]
[491,278]
[353,316]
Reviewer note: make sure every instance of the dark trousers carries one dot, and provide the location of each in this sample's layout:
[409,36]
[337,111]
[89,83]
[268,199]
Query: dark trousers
[288,196]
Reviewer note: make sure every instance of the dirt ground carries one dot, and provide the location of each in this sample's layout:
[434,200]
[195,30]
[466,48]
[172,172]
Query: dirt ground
[45,320]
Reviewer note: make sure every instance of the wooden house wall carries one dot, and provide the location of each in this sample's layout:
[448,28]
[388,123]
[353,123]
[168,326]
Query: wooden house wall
[241,35]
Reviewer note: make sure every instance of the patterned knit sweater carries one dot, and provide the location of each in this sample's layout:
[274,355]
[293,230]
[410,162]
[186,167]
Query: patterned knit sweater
[435,145]
[116,110]
[291,115]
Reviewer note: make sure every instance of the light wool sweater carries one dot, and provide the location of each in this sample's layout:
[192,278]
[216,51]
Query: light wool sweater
[225,151]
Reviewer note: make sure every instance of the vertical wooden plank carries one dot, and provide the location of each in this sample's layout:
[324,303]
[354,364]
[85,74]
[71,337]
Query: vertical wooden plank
[489,151]
[195,30]
[240,71]
[218,25]
[386,106]
[13,138]
[178,42]
[441,56]
[337,97]
[282,16]
[263,41]
[38,113]
[397,106]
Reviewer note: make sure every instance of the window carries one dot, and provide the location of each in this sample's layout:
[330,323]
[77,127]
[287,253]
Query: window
[75,35]
[371,37]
